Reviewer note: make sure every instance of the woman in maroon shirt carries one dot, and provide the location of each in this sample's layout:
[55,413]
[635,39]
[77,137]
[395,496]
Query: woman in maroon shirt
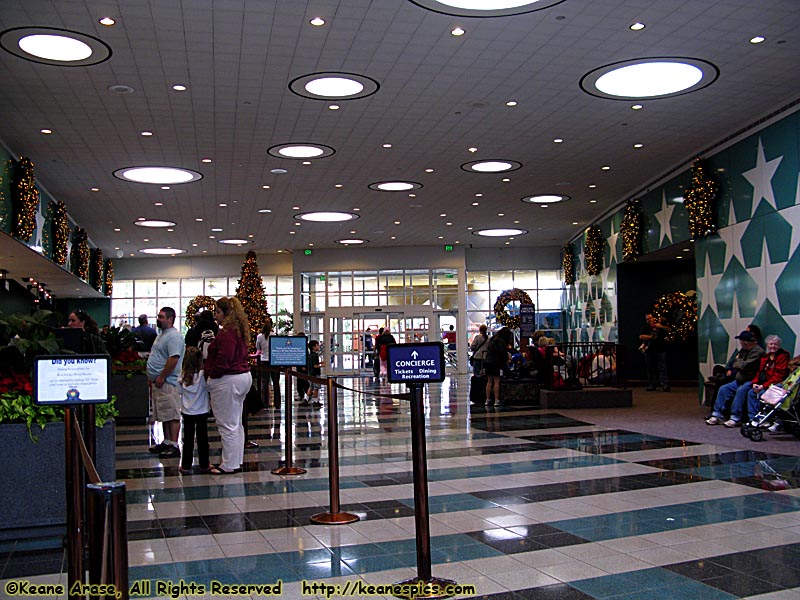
[228,372]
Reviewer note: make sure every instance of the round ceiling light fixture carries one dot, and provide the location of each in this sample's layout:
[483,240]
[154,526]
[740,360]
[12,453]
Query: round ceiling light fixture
[334,86]
[491,166]
[326,217]
[485,8]
[52,46]
[649,78]
[157,175]
[154,223]
[352,242]
[162,251]
[546,198]
[500,232]
[394,186]
[300,151]
[234,242]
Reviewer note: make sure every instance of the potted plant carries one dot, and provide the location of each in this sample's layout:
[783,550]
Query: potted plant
[129,380]
[32,436]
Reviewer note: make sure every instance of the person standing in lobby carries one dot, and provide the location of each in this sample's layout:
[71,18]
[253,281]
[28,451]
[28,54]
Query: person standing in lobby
[227,369]
[262,345]
[145,333]
[652,338]
[163,370]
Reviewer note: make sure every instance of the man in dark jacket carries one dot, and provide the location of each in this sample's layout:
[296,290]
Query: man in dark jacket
[746,366]
[204,321]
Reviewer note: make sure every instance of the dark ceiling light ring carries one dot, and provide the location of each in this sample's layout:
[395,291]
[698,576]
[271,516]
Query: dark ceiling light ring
[298,85]
[326,150]
[10,38]
[407,186]
[469,166]
[709,71]
[444,9]
[194,175]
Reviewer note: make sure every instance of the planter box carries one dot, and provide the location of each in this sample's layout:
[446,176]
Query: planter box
[133,395]
[33,494]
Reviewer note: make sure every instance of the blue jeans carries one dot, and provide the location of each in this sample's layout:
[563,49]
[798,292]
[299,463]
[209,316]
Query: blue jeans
[734,395]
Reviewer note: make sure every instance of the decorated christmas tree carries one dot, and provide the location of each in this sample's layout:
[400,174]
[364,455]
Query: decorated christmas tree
[252,296]
[698,200]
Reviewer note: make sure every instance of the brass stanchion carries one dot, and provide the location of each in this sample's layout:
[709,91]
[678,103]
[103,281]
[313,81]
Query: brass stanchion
[73,472]
[335,516]
[108,558]
[288,469]
[423,585]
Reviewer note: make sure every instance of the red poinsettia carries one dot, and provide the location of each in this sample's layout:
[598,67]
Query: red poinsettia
[16,382]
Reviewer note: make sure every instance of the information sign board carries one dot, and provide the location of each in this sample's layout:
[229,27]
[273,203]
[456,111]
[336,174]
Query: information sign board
[287,350]
[527,320]
[70,379]
[415,363]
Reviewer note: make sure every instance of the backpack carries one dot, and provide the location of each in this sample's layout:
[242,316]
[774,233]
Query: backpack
[205,341]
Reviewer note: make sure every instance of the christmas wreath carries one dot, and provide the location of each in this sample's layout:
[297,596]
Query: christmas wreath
[506,317]
[199,302]
[679,312]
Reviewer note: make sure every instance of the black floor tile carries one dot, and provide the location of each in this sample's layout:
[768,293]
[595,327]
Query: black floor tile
[780,574]
[557,591]
[228,523]
[699,569]
[741,584]
[558,540]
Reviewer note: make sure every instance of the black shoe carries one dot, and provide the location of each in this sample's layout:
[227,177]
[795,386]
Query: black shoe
[158,448]
[170,452]
[666,388]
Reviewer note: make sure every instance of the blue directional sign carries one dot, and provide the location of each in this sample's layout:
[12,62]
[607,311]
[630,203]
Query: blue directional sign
[415,363]
[288,350]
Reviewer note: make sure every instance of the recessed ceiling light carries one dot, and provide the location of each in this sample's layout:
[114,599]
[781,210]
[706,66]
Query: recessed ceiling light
[295,208]
[95,189]
[154,223]
[574,222]
[351,241]
[412,195]
[544,205]
[251,235]
[265,187]
[326,217]
[338,185]
[394,186]
[501,214]
[448,223]
[157,175]
[505,180]
[397,222]
[638,145]
[166,251]
[457,32]
[592,201]
[429,170]
[333,107]
[306,162]
[164,187]
[158,204]
[54,46]
[47,131]
[179,87]
[637,26]
[649,78]
[194,245]
[198,219]
[301,151]
[317,22]
[476,204]
[107,21]
[637,107]
[757,39]
[222,204]
[332,85]
[499,232]
[592,186]
[491,166]
[473,149]
[479,195]
[216,229]
[356,209]
[546,198]
[205,160]
[605,168]
[485,8]
[147,133]
[558,140]
[394,237]
[278,171]
[265,210]
[234,242]
[292,232]
[387,145]
[117,229]
[511,103]
[686,250]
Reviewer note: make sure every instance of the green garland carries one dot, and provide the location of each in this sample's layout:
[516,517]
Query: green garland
[26,200]
[96,268]
[60,232]
[502,315]
[568,263]
[79,257]
[198,302]
[631,230]
[698,200]
[679,312]
[108,277]
[594,250]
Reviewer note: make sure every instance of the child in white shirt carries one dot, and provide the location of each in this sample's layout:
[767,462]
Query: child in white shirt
[194,410]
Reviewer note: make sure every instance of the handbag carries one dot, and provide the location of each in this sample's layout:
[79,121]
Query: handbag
[253,402]
[774,395]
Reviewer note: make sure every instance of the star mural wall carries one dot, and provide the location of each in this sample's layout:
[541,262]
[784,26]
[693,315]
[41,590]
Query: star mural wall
[747,272]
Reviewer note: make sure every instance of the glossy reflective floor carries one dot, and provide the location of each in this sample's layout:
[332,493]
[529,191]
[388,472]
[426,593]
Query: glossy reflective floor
[524,503]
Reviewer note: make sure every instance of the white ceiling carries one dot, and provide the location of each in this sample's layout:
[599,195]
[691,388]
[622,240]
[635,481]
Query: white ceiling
[438,96]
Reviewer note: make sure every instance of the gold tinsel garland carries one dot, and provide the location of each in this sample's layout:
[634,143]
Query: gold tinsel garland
[252,295]
[698,200]
[679,312]
[60,232]
[198,302]
[593,249]
[26,200]
[568,263]
[79,257]
[631,230]
[96,268]
[503,300]
[108,277]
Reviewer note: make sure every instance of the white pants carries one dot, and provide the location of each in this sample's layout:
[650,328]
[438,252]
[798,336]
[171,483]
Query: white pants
[227,401]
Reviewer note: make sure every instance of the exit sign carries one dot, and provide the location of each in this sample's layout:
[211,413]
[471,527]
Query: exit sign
[307,251]
[448,248]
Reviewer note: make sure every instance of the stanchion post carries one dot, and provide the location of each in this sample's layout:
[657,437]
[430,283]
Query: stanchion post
[109,554]
[73,489]
[287,468]
[426,586]
[335,516]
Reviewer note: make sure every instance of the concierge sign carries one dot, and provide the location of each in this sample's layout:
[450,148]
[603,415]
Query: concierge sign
[415,363]
[288,350]
[69,379]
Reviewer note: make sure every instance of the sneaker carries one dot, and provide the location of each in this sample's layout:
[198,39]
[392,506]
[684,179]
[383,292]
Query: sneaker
[775,428]
[316,404]
[731,423]
[170,452]
[158,448]
[712,420]
[490,402]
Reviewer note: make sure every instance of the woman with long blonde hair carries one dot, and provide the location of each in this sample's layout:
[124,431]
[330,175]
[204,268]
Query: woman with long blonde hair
[228,371]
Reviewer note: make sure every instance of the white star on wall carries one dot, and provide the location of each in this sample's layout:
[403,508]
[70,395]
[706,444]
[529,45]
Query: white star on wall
[708,285]
[664,216]
[732,236]
[612,244]
[760,177]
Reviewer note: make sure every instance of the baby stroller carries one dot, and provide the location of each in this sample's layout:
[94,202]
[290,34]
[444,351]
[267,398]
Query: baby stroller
[778,402]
